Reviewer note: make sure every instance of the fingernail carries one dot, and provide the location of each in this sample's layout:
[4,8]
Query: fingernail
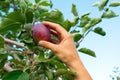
[40,43]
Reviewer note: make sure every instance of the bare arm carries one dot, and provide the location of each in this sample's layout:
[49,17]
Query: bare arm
[65,49]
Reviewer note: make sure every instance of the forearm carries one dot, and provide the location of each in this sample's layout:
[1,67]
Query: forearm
[82,73]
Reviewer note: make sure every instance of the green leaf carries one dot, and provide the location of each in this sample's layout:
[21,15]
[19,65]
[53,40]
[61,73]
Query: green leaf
[49,75]
[93,21]
[86,28]
[86,14]
[55,62]
[109,14]
[22,5]
[53,16]
[36,1]
[99,31]
[74,10]
[115,4]
[2,42]
[16,75]
[60,72]
[101,4]
[29,16]
[42,10]
[8,24]
[3,58]
[88,52]
[96,4]
[118,78]
[68,24]
[76,36]
[4,6]
[16,16]
[46,3]
[84,20]
[12,22]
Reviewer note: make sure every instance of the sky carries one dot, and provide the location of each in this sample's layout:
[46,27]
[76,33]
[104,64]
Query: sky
[106,48]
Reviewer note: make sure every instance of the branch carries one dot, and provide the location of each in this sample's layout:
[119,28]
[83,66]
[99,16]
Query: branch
[9,41]
[7,67]
[85,35]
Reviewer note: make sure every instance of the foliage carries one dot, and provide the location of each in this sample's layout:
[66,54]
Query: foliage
[116,74]
[30,61]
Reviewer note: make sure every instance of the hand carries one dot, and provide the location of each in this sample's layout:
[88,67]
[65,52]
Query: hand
[65,49]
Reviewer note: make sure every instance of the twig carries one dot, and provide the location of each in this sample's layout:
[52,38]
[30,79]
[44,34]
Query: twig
[7,67]
[85,35]
[9,41]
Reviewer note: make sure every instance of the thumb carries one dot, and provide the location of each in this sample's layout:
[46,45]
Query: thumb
[47,44]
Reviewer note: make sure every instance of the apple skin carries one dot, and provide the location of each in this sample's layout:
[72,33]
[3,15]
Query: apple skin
[40,32]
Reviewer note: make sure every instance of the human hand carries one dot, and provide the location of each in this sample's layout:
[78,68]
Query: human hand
[64,48]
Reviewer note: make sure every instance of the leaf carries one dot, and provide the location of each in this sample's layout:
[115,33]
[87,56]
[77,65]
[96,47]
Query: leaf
[96,4]
[49,75]
[16,75]
[109,14]
[68,24]
[46,3]
[86,28]
[118,78]
[76,36]
[55,62]
[87,51]
[60,72]
[93,21]
[42,10]
[29,16]
[3,58]
[22,4]
[86,14]
[84,20]
[4,6]
[99,31]
[74,10]
[8,24]
[2,42]
[101,4]
[53,16]
[16,16]
[36,1]
[115,4]
[12,22]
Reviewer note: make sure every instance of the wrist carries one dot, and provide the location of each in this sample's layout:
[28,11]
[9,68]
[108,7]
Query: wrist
[78,67]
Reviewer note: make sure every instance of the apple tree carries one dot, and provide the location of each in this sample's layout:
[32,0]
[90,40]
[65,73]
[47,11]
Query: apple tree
[21,58]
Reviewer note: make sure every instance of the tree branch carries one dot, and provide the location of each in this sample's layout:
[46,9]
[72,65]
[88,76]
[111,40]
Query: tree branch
[7,67]
[8,41]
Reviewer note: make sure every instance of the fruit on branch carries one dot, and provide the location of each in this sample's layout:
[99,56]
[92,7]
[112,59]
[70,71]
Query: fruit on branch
[40,32]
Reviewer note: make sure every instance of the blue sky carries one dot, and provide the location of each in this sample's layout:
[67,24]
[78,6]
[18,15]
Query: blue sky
[106,48]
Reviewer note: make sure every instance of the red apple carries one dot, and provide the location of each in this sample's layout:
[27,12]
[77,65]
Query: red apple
[40,32]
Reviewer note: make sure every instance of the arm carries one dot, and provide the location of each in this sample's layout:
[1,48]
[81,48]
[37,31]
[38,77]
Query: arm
[65,49]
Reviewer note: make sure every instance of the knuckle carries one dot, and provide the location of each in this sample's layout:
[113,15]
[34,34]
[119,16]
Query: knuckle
[69,35]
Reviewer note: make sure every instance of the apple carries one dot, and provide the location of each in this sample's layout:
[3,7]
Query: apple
[40,32]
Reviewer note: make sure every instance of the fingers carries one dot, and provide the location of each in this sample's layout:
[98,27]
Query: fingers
[48,45]
[60,30]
